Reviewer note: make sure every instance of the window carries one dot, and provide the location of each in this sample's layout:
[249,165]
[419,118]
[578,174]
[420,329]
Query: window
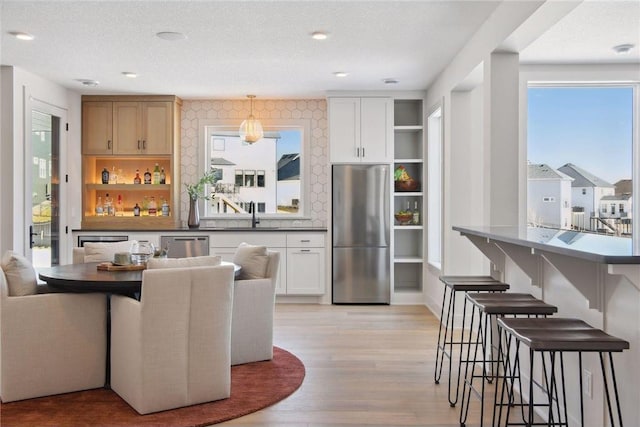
[42,168]
[580,140]
[269,172]
[249,178]
[549,199]
[434,199]
[621,208]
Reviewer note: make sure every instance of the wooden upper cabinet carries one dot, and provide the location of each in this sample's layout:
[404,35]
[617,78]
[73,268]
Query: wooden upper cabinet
[123,127]
[157,127]
[97,128]
[142,128]
[127,130]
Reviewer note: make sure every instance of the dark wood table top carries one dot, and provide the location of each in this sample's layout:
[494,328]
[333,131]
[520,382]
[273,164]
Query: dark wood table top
[87,278]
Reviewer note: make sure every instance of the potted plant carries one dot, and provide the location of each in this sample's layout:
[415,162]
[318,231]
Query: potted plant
[196,192]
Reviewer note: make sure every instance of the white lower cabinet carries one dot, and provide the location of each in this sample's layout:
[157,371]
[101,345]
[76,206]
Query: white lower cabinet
[305,271]
[302,257]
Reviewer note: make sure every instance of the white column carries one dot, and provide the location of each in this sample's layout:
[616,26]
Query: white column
[501,77]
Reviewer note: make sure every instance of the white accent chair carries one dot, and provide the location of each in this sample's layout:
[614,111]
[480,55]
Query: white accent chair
[51,343]
[172,348]
[100,251]
[253,305]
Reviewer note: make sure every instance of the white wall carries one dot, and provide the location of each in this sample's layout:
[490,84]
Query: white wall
[481,132]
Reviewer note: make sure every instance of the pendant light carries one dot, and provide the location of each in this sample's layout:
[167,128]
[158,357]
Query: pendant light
[251,129]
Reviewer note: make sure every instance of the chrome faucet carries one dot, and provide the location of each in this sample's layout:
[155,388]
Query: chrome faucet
[254,220]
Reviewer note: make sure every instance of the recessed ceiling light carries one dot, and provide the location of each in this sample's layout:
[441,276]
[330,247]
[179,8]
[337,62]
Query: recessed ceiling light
[341,74]
[319,35]
[171,35]
[129,74]
[88,82]
[21,35]
[622,49]
[390,81]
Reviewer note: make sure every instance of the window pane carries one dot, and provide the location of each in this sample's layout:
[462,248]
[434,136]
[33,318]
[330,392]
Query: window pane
[267,172]
[580,145]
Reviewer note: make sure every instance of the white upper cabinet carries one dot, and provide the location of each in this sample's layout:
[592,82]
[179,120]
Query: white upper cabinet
[360,130]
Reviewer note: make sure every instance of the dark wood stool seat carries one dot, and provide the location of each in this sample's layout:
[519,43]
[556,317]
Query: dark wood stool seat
[490,307]
[511,304]
[551,337]
[454,284]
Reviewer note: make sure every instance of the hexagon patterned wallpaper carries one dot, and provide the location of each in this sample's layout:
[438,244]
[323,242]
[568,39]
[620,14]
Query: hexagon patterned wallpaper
[313,109]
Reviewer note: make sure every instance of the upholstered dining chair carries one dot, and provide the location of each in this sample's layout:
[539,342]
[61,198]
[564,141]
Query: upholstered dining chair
[253,304]
[100,251]
[49,343]
[172,348]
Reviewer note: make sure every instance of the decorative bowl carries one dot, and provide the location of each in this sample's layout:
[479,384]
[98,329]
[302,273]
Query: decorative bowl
[403,218]
[410,185]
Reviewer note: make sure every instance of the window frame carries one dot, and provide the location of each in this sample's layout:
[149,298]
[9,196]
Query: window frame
[599,75]
[271,125]
[435,182]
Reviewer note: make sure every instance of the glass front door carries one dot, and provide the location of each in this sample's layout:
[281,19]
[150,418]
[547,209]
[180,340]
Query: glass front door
[44,170]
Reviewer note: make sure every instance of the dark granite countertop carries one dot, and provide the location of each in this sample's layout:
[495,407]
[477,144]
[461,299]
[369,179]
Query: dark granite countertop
[588,246]
[208,230]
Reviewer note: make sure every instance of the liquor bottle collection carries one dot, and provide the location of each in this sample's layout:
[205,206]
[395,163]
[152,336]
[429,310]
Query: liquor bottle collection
[108,206]
[157,177]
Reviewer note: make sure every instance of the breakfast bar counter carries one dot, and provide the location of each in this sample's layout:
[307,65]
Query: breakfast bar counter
[592,277]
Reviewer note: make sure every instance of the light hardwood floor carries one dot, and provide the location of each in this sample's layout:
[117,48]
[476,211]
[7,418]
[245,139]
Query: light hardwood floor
[365,366]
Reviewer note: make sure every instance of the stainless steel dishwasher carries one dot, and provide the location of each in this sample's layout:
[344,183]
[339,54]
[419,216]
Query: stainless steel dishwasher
[185,246]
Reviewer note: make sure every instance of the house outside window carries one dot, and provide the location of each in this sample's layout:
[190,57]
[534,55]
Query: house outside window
[568,124]
[269,172]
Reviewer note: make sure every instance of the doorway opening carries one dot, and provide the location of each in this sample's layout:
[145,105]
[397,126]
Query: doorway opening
[44,186]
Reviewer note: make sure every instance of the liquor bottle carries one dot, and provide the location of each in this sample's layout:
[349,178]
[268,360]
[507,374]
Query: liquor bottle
[153,208]
[113,176]
[163,177]
[99,210]
[105,176]
[137,179]
[156,174]
[165,208]
[416,214]
[147,177]
[136,210]
[120,206]
[108,205]
[145,206]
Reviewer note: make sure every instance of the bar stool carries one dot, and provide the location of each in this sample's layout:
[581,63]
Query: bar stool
[454,284]
[490,307]
[551,337]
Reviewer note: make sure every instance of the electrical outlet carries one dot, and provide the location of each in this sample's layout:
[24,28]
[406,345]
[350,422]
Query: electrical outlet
[587,384]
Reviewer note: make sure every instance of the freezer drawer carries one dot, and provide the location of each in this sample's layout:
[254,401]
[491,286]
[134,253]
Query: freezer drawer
[361,276]
[185,246]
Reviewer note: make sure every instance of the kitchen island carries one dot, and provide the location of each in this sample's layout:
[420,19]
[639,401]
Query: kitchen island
[592,277]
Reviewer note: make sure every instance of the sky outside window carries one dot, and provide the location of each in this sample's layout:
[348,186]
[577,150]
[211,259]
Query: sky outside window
[590,127]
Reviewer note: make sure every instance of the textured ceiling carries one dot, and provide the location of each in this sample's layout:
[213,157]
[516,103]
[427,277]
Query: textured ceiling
[234,48]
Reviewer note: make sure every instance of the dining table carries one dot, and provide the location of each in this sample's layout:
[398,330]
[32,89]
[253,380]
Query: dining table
[86,277]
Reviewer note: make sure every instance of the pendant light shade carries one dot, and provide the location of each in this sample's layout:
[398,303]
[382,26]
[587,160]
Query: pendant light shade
[251,129]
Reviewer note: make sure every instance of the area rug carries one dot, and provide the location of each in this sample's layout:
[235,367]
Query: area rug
[253,386]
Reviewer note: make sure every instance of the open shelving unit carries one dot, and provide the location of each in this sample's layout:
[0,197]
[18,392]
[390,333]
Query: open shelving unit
[408,253]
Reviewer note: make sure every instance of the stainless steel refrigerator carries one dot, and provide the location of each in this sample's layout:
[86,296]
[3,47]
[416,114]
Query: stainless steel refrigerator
[360,230]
